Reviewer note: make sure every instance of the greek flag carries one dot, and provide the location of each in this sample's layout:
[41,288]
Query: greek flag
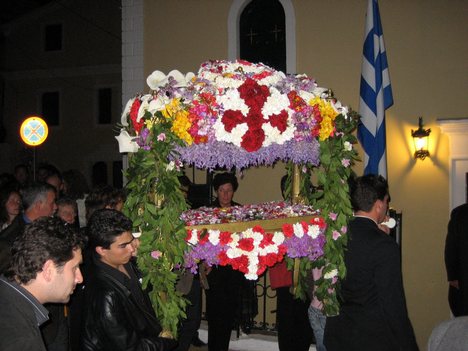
[376,94]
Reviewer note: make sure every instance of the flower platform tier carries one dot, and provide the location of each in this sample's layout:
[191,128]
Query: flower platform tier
[254,237]
[235,115]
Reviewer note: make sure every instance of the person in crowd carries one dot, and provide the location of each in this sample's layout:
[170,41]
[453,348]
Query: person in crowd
[21,174]
[292,321]
[44,268]
[76,187]
[104,196]
[8,179]
[44,170]
[189,285]
[10,204]
[373,314]
[224,298]
[55,179]
[449,335]
[317,318]
[456,260]
[38,201]
[66,209]
[117,313]
[99,198]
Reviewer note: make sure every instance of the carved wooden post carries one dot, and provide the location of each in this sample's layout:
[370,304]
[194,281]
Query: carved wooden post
[296,198]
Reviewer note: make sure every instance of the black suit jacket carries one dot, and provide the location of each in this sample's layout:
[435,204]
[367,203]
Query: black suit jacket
[456,259]
[373,314]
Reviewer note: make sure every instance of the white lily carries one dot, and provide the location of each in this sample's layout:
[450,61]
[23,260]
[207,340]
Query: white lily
[144,106]
[126,143]
[156,80]
[158,104]
[318,91]
[126,111]
[181,80]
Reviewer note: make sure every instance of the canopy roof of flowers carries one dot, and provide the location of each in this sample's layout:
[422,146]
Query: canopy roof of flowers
[232,115]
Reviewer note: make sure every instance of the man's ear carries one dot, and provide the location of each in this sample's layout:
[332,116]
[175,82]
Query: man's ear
[100,250]
[48,269]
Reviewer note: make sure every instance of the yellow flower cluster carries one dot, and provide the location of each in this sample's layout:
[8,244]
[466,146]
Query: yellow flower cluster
[328,114]
[181,125]
[180,122]
[171,108]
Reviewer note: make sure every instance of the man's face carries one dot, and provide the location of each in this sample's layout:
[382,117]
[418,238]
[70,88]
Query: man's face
[47,207]
[119,252]
[384,209]
[67,213]
[56,182]
[65,278]
[225,193]
[21,175]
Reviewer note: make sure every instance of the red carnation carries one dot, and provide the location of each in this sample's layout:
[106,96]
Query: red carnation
[271,259]
[231,119]
[288,230]
[258,229]
[189,235]
[319,221]
[203,237]
[255,120]
[282,249]
[253,140]
[241,264]
[224,260]
[280,121]
[261,269]
[225,238]
[246,244]
[267,240]
[134,115]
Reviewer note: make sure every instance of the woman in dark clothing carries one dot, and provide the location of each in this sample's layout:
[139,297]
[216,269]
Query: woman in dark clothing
[226,286]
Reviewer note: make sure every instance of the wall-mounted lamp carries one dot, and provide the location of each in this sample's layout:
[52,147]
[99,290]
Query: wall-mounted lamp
[421,141]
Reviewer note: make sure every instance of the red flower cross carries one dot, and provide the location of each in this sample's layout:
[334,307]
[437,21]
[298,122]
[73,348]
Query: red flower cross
[255,96]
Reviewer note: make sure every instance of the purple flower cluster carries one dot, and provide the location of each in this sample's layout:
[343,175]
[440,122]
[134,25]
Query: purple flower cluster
[144,139]
[207,252]
[305,246]
[221,154]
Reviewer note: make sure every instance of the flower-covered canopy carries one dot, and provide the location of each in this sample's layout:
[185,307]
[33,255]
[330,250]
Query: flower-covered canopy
[236,115]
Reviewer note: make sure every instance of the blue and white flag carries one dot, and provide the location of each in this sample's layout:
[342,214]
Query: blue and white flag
[376,94]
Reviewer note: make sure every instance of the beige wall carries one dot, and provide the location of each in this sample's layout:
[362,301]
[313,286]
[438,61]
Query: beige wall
[427,51]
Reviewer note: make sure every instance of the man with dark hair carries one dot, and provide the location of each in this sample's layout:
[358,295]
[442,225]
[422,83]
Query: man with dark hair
[117,313]
[104,196]
[44,268]
[373,313]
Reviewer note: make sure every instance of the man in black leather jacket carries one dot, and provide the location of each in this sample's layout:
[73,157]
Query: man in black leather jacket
[117,313]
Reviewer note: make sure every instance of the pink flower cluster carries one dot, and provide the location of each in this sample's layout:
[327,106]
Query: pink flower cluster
[262,211]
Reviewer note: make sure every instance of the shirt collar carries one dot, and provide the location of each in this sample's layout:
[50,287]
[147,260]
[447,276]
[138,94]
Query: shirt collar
[41,313]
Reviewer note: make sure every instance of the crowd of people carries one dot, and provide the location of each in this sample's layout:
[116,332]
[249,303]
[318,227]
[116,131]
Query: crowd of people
[69,279]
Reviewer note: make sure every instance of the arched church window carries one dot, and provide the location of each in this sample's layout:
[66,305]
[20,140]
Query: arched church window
[262,33]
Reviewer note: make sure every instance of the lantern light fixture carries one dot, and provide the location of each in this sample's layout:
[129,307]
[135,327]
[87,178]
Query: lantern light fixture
[421,141]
